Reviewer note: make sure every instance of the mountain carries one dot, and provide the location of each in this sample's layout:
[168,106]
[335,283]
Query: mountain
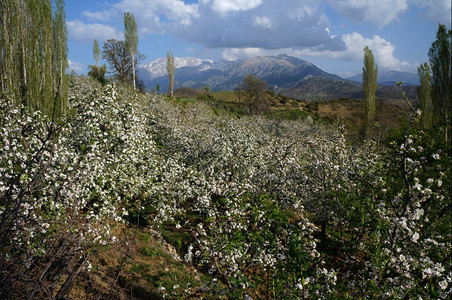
[390,77]
[283,71]
[189,70]
[291,76]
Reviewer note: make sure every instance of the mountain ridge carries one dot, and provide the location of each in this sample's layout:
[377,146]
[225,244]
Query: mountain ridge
[390,77]
[290,75]
[282,70]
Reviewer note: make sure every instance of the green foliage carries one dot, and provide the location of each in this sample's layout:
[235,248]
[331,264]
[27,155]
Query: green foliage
[33,55]
[148,251]
[119,60]
[98,73]
[424,95]
[370,75]
[312,106]
[291,114]
[131,39]
[254,93]
[96,52]
[440,64]
[170,67]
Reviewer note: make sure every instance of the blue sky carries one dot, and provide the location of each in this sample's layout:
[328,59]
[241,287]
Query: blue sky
[329,33]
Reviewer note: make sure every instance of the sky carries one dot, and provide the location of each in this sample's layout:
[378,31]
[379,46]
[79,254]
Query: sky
[329,33]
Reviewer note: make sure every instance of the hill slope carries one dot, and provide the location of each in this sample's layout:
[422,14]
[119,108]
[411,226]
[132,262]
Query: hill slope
[321,88]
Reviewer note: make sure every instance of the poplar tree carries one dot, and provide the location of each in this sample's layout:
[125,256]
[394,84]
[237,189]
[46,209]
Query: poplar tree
[440,64]
[60,61]
[170,67]
[33,55]
[131,39]
[96,52]
[370,75]
[424,95]
[97,72]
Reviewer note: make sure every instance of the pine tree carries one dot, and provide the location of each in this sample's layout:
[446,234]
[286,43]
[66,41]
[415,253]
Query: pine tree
[424,95]
[370,74]
[170,67]
[131,39]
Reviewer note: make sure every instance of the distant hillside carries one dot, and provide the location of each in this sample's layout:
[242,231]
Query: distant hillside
[321,88]
[390,77]
[315,88]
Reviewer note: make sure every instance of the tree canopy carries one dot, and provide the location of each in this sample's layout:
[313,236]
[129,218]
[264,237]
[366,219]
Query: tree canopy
[33,54]
[253,92]
[424,95]
[440,64]
[119,60]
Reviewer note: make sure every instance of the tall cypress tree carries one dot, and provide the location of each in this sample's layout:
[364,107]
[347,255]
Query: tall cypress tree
[131,39]
[370,75]
[424,95]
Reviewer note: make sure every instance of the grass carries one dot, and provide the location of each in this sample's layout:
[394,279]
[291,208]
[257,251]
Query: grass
[346,111]
[225,96]
[290,114]
[136,268]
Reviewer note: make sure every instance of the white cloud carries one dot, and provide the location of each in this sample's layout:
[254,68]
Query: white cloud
[224,6]
[102,16]
[436,10]
[294,24]
[220,23]
[145,10]
[234,53]
[264,22]
[382,50]
[380,13]
[88,32]
[77,67]
[267,24]
[383,12]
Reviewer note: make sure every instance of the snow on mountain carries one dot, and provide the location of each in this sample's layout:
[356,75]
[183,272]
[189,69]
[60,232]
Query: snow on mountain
[157,67]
